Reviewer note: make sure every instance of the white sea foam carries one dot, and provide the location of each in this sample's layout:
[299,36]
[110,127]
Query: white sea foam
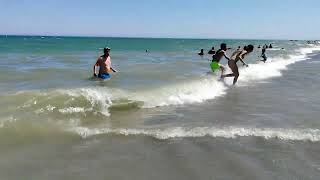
[50,108]
[261,71]
[273,67]
[178,94]
[71,110]
[209,88]
[225,132]
[96,96]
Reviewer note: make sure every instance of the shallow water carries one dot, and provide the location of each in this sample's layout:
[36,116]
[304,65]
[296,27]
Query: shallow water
[161,117]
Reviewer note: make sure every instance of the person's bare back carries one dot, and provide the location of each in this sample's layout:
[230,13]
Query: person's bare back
[220,53]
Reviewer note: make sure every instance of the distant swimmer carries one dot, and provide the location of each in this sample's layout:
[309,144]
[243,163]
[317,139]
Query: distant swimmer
[212,51]
[238,49]
[201,53]
[215,64]
[104,63]
[263,54]
[259,47]
[270,46]
[236,56]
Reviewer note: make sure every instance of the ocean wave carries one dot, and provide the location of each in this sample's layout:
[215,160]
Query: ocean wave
[178,94]
[273,67]
[196,91]
[312,135]
[104,99]
[184,93]
[262,71]
[74,127]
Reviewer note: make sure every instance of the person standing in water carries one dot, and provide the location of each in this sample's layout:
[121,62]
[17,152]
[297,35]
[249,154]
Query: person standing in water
[236,56]
[263,54]
[104,63]
[215,64]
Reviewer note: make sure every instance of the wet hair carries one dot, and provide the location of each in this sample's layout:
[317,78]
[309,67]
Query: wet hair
[249,48]
[223,46]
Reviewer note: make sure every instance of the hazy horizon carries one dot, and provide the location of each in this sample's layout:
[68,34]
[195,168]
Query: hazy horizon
[92,36]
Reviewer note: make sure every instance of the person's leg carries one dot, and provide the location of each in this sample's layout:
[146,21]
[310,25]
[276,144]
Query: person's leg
[223,76]
[231,66]
[264,58]
[236,74]
[222,70]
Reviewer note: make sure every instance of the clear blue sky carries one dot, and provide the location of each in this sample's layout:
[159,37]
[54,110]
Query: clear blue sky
[261,19]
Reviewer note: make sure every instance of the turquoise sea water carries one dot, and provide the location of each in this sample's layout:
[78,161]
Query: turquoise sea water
[164,115]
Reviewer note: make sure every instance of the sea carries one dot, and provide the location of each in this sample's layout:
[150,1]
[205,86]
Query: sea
[163,115]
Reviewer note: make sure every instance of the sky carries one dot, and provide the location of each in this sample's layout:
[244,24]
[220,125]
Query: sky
[239,19]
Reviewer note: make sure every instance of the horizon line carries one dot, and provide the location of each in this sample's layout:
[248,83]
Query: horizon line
[146,37]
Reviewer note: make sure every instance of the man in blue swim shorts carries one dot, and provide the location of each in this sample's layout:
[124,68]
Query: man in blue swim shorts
[104,63]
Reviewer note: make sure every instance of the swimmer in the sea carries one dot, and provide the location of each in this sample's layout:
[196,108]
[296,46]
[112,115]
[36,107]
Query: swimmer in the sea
[104,63]
[201,53]
[212,51]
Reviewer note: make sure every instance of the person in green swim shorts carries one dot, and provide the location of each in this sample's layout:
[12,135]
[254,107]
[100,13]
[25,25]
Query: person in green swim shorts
[215,64]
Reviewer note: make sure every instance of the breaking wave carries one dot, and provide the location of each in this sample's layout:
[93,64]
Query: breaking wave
[312,135]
